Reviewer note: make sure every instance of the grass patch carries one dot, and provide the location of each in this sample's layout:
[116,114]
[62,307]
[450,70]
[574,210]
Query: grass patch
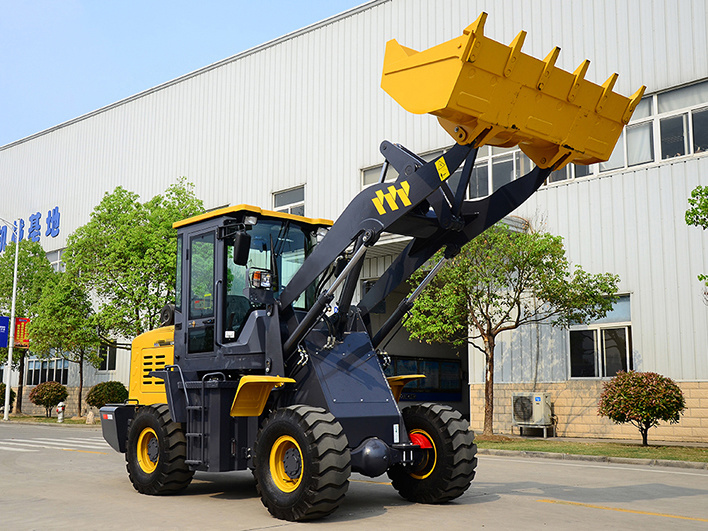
[44,420]
[610,449]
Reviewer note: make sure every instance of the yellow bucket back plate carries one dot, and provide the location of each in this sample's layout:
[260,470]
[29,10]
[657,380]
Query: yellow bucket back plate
[486,92]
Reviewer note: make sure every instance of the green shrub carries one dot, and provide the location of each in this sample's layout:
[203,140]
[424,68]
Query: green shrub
[2,396]
[107,393]
[48,394]
[642,399]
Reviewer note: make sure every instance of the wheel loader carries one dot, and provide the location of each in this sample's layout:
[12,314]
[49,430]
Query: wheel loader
[265,362]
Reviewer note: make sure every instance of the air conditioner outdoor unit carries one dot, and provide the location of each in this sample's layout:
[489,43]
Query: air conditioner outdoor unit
[531,409]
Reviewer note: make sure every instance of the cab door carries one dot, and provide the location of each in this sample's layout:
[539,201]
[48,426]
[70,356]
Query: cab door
[201,295]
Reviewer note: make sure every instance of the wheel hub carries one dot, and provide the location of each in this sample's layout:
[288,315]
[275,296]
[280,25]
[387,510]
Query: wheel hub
[153,450]
[292,463]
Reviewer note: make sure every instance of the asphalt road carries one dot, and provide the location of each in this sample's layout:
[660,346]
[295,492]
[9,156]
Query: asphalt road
[54,477]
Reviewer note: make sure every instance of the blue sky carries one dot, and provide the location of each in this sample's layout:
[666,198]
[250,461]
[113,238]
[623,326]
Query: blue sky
[60,59]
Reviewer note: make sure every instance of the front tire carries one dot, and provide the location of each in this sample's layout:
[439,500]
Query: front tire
[156,452]
[447,467]
[302,463]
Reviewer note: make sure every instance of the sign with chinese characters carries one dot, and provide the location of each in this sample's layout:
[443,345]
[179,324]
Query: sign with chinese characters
[21,332]
[34,228]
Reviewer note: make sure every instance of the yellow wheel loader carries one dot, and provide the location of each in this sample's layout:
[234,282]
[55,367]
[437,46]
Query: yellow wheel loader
[264,362]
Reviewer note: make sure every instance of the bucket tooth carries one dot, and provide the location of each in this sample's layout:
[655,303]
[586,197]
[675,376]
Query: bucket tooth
[473,31]
[578,77]
[515,46]
[607,87]
[633,102]
[485,92]
[548,64]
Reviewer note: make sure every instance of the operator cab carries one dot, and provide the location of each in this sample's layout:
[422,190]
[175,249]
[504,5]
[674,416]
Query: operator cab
[232,264]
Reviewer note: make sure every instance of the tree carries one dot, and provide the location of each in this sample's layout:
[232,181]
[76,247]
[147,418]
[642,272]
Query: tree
[48,395]
[64,326]
[642,399]
[697,214]
[501,280]
[126,255]
[111,392]
[33,271]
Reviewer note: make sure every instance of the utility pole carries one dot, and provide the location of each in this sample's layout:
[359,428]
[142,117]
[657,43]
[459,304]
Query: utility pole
[11,337]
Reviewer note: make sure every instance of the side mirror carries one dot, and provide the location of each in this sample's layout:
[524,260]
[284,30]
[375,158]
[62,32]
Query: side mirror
[242,246]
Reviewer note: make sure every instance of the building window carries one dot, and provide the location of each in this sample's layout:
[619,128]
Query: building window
[108,357]
[372,175]
[603,348]
[53,370]
[672,124]
[442,382]
[54,258]
[290,201]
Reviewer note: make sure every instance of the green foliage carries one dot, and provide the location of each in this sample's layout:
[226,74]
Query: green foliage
[64,325]
[502,280]
[642,399]
[107,393]
[2,396]
[697,214]
[48,395]
[126,254]
[33,271]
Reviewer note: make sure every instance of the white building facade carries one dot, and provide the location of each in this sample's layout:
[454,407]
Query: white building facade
[296,124]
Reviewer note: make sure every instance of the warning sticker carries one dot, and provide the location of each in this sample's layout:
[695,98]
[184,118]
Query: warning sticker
[441,166]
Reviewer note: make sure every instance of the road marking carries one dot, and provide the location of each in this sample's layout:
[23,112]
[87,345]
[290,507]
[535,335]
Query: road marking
[58,443]
[368,481]
[76,442]
[82,451]
[578,504]
[39,443]
[9,449]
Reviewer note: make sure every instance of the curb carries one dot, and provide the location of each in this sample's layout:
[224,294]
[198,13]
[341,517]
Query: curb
[595,458]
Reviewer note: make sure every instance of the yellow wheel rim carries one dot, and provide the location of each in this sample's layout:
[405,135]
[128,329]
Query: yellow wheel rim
[426,466]
[286,463]
[148,451]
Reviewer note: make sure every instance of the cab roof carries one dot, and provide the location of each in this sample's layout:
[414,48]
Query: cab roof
[250,209]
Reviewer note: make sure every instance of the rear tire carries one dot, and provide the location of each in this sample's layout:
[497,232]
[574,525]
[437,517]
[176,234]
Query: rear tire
[156,452]
[445,470]
[302,463]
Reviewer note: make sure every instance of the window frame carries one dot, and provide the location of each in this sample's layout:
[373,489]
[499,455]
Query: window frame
[288,208]
[109,355]
[38,371]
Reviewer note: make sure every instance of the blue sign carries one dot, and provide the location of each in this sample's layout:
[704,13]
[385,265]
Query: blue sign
[4,330]
[34,228]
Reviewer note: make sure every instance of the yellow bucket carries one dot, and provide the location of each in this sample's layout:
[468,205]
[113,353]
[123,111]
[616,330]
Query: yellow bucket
[485,92]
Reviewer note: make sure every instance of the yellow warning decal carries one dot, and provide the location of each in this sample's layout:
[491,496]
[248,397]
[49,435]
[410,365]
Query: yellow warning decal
[389,198]
[441,166]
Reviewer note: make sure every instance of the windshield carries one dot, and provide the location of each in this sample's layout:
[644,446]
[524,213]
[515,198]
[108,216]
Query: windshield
[279,247]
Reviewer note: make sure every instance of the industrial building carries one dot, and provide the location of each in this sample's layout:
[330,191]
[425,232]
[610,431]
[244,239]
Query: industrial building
[295,124]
